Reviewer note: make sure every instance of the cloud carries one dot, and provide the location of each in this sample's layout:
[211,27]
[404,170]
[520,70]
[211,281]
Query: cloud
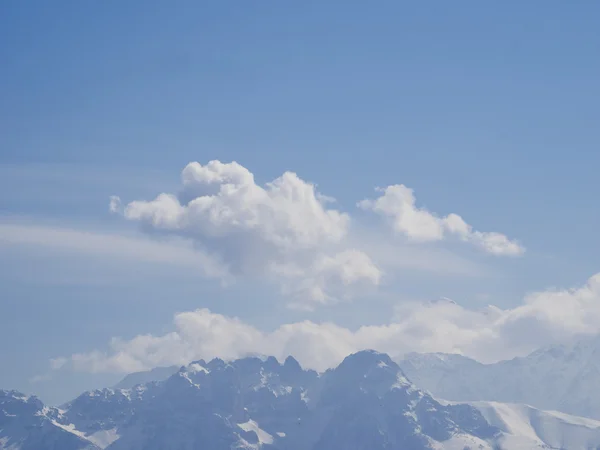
[57,363]
[40,378]
[284,231]
[328,277]
[111,245]
[488,335]
[114,204]
[398,204]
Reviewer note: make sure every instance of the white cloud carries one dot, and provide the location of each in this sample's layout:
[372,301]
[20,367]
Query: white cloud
[114,204]
[398,203]
[221,200]
[40,378]
[57,363]
[442,326]
[328,278]
[198,332]
[284,231]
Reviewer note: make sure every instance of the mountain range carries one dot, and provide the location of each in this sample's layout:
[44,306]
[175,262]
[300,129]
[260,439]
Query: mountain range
[366,403]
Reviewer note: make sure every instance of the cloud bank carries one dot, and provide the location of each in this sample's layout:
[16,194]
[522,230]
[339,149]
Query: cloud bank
[487,335]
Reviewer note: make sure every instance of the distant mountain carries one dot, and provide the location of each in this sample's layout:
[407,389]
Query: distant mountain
[563,378]
[156,374]
[366,403]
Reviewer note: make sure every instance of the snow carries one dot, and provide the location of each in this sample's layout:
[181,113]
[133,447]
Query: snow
[103,438]
[574,420]
[195,368]
[263,436]
[510,442]
[70,428]
[401,382]
[263,380]
[557,430]
[304,397]
[462,441]
[4,446]
[510,418]
[412,415]
[187,377]
[264,384]
[562,377]
[23,398]
[525,427]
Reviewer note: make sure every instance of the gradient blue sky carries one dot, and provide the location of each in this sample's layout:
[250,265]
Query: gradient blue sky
[486,110]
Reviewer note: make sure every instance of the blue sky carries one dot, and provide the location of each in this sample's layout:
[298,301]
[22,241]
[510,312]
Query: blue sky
[486,111]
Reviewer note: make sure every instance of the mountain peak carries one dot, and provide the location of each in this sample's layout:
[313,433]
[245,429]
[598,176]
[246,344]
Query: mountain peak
[367,371]
[291,363]
[18,398]
[366,359]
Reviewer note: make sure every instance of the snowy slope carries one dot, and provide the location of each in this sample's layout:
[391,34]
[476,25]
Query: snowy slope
[526,427]
[563,378]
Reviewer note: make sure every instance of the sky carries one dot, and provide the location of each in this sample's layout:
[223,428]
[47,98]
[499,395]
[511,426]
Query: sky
[192,180]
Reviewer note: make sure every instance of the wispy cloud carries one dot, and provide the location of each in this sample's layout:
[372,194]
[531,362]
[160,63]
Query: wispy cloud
[110,245]
[40,378]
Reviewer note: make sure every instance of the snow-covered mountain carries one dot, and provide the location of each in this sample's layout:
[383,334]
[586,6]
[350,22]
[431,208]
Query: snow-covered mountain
[366,403]
[563,378]
[251,403]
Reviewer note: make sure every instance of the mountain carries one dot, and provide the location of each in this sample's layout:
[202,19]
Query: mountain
[156,374]
[251,403]
[562,378]
[26,424]
[366,403]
